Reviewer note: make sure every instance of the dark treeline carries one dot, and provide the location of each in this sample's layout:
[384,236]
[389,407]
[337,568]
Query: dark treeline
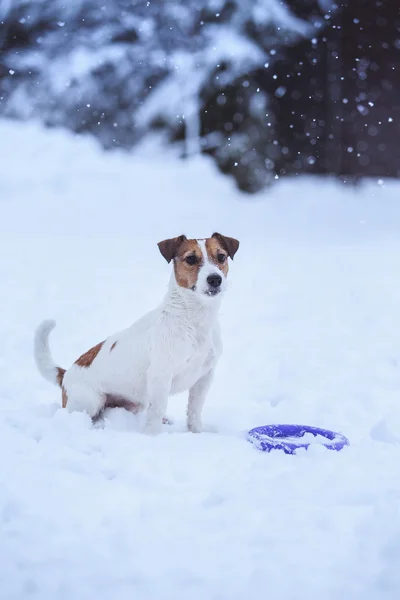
[266,89]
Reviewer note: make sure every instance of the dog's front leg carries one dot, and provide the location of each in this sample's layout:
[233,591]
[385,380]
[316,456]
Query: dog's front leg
[158,392]
[197,396]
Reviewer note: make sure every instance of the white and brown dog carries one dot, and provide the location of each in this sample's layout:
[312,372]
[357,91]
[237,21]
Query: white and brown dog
[169,350]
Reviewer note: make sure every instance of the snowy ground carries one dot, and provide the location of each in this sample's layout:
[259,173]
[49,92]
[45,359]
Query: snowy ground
[311,328]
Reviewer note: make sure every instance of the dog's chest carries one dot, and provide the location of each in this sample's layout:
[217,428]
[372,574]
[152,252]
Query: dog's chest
[195,363]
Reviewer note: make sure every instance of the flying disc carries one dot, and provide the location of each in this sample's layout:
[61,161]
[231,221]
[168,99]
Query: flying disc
[290,438]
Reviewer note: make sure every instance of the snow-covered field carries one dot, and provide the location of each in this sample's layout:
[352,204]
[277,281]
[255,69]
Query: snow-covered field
[311,328]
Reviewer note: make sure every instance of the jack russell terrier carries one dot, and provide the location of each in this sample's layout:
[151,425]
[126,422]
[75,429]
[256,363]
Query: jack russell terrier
[169,350]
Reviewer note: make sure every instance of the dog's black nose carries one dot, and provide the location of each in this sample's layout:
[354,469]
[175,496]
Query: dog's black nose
[214,280]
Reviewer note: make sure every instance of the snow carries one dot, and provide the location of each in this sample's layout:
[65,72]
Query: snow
[311,335]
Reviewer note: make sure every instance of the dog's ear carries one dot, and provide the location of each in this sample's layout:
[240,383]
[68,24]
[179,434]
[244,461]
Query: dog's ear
[229,244]
[169,248]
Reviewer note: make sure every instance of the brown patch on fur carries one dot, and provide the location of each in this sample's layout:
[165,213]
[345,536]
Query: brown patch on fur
[169,248]
[186,274]
[113,346]
[214,248]
[229,244]
[114,401]
[60,375]
[86,359]
[64,398]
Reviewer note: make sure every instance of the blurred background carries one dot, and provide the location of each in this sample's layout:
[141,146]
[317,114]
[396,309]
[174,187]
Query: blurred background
[265,87]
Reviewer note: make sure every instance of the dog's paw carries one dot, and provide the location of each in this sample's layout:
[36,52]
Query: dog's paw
[198,427]
[195,426]
[167,421]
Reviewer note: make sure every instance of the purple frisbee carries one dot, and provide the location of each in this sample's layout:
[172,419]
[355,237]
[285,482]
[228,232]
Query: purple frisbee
[290,438]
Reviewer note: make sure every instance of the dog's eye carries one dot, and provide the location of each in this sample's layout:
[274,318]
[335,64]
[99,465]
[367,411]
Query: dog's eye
[191,260]
[221,258]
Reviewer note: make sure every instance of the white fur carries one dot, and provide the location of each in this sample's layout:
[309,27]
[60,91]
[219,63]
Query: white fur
[207,269]
[171,349]
[44,362]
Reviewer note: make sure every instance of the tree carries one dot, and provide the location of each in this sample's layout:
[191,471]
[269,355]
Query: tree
[118,68]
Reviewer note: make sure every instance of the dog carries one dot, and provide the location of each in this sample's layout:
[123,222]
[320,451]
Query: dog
[172,349]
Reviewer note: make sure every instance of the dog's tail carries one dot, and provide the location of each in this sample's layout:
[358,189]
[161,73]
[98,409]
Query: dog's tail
[44,362]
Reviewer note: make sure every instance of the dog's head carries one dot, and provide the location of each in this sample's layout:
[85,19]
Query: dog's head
[200,266]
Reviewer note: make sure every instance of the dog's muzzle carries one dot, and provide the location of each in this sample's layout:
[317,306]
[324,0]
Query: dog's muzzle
[214,282]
